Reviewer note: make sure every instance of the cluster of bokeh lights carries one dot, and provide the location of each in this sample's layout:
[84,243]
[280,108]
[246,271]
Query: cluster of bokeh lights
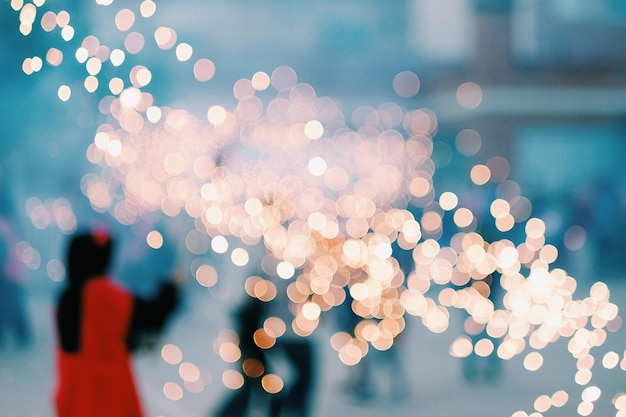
[328,196]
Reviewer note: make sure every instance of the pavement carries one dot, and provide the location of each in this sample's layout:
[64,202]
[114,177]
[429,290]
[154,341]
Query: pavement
[436,387]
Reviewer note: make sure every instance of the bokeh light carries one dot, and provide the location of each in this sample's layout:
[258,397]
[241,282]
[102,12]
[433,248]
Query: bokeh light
[328,197]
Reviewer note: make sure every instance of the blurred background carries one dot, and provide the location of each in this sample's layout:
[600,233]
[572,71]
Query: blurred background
[536,88]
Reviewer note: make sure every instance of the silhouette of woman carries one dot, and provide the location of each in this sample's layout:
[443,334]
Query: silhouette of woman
[97,322]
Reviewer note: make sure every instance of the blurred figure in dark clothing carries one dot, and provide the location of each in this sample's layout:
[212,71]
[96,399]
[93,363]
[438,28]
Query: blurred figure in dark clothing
[296,399]
[490,367]
[475,366]
[248,318]
[98,324]
[14,322]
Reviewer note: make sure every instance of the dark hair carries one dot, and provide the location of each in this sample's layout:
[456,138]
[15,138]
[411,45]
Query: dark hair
[89,254]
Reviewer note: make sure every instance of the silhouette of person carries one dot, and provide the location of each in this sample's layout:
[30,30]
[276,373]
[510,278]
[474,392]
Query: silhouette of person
[474,366]
[98,322]
[248,318]
[490,366]
[360,387]
[364,386]
[295,399]
[13,313]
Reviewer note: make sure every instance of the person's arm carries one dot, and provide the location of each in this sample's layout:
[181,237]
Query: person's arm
[150,314]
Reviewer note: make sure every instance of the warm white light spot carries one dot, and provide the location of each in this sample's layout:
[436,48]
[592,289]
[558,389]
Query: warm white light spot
[543,403]
[130,97]
[17,4]
[217,115]
[313,130]
[232,379]
[533,361]
[206,276]
[154,239]
[448,201]
[188,372]
[383,250]
[253,206]
[461,347]
[114,147]
[620,402]
[260,81]
[64,93]
[171,354]
[117,57]
[610,360]
[81,55]
[560,398]
[143,77]
[219,244]
[26,29]
[147,8]
[172,391]
[214,215]
[317,166]
[420,187]
[359,291]
[239,256]
[463,217]
[174,163]
[116,85]
[91,84]
[28,14]
[67,33]
[480,174]
[585,408]
[484,347]
[184,51]
[311,311]
[153,114]
[285,270]
[54,57]
[591,394]
[165,37]
[36,64]
[583,376]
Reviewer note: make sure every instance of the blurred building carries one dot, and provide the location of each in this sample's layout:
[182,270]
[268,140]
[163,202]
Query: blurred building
[550,75]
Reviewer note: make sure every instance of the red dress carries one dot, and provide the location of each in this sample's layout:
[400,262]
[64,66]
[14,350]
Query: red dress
[97,381]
